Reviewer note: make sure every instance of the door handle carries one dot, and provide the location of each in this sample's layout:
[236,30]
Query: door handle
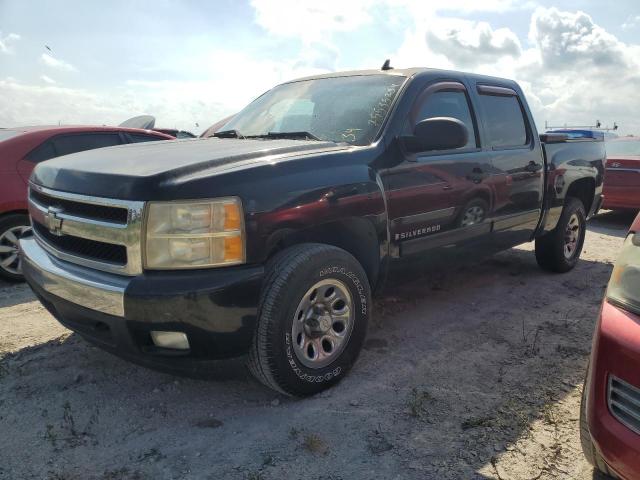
[447,187]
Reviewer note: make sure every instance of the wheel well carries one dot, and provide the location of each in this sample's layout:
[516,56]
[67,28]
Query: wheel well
[14,212]
[357,236]
[583,190]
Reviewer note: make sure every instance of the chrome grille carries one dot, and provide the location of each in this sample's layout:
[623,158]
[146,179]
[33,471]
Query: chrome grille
[98,212]
[99,233]
[624,403]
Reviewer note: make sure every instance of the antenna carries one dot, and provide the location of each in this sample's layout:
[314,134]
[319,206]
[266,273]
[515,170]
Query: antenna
[387,65]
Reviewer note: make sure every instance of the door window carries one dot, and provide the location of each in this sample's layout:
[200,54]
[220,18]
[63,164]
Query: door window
[505,121]
[67,144]
[449,103]
[137,138]
[42,153]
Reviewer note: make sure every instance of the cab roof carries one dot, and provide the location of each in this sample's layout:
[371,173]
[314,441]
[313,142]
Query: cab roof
[410,72]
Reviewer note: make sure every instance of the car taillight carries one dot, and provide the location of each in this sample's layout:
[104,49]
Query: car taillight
[624,286]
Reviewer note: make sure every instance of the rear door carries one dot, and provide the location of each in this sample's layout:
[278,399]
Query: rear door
[518,171]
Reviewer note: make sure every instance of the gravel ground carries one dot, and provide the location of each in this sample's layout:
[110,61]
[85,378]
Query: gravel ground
[475,374]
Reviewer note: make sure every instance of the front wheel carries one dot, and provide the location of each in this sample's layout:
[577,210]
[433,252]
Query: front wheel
[559,250]
[312,319]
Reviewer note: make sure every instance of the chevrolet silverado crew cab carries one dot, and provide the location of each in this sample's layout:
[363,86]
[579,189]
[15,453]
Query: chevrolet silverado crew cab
[268,239]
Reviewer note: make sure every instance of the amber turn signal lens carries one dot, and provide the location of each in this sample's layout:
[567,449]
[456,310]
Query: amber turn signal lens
[233,249]
[231,216]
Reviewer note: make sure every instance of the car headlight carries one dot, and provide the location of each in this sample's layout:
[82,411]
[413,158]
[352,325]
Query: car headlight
[624,286]
[194,234]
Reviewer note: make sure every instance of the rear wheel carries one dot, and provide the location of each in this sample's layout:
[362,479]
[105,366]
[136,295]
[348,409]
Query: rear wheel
[12,227]
[312,319]
[559,250]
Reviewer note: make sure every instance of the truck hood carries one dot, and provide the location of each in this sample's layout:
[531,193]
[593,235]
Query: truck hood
[127,171]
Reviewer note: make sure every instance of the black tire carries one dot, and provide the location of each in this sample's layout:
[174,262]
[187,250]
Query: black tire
[588,448]
[550,248]
[477,205]
[11,223]
[291,274]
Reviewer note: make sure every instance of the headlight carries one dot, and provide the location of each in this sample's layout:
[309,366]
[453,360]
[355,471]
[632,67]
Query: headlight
[624,286]
[195,234]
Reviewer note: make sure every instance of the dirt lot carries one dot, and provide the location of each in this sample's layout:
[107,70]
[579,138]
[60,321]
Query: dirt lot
[473,375]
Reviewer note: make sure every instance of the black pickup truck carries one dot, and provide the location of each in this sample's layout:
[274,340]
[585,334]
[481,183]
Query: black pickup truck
[269,239]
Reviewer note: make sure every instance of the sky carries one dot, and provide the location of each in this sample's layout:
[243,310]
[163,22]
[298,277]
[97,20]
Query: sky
[191,63]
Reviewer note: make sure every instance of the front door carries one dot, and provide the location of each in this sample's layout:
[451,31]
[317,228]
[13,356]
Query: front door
[439,199]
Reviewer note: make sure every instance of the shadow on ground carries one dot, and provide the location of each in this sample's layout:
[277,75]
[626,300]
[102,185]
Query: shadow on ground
[611,222]
[456,370]
[12,294]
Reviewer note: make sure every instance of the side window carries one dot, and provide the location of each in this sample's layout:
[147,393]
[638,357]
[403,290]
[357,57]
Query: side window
[138,137]
[42,153]
[449,103]
[505,121]
[66,144]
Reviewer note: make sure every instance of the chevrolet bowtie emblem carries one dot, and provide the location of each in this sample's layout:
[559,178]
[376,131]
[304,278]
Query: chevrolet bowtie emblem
[616,164]
[54,222]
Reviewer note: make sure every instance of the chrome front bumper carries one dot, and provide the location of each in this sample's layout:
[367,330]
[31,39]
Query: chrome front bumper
[91,289]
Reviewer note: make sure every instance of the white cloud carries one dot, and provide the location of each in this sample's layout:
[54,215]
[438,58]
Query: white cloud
[467,44]
[177,104]
[311,21]
[572,71]
[315,21]
[7,42]
[581,72]
[632,21]
[48,80]
[568,39]
[53,62]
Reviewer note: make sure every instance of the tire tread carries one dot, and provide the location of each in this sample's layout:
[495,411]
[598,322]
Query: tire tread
[279,268]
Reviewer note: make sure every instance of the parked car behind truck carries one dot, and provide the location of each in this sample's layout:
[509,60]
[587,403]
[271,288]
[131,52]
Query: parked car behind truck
[24,147]
[270,238]
[610,408]
[622,180]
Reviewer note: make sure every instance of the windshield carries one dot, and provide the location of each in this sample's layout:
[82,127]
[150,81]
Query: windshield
[7,134]
[623,147]
[338,109]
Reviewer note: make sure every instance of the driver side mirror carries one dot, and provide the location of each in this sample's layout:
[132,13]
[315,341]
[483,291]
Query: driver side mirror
[437,133]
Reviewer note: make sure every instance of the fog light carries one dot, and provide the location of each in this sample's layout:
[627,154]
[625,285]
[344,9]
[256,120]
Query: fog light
[175,340]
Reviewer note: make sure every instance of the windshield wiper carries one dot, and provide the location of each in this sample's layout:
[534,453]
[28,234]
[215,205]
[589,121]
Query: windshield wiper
[228,134]
[302,135]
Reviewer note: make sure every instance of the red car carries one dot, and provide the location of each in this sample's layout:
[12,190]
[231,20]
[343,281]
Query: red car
[20,150]
[610,411]
[622,178]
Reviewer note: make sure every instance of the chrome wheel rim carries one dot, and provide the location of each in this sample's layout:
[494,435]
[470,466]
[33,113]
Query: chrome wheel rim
[322,323]
[571,237]
[472,216]
[9,259]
